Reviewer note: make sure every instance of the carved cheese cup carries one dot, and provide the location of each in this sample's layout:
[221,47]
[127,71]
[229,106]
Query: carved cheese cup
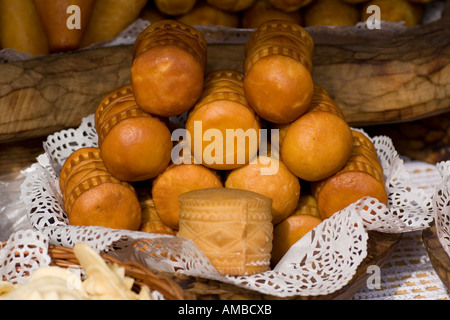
[231,227]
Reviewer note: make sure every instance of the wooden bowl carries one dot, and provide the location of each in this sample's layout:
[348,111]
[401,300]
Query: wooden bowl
[438,257]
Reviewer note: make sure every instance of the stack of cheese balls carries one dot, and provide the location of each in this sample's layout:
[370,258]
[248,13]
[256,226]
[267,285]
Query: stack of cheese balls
[39,27]
[250,14]
[220,199]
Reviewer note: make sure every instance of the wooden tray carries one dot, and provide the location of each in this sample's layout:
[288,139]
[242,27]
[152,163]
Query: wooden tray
[384,80]
[438,257]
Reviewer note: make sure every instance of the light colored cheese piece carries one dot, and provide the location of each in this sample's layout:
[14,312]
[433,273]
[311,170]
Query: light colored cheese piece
[48,283]
[231,227]
[105,282]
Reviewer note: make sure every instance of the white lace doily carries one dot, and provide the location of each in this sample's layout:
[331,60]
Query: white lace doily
[408,273]
[320,263]
[441,201]
[24,252]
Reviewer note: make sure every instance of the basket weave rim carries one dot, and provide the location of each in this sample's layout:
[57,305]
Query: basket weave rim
[64,257]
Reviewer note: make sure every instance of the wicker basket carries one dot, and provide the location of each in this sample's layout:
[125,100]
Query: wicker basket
[64,257]
[177,286]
